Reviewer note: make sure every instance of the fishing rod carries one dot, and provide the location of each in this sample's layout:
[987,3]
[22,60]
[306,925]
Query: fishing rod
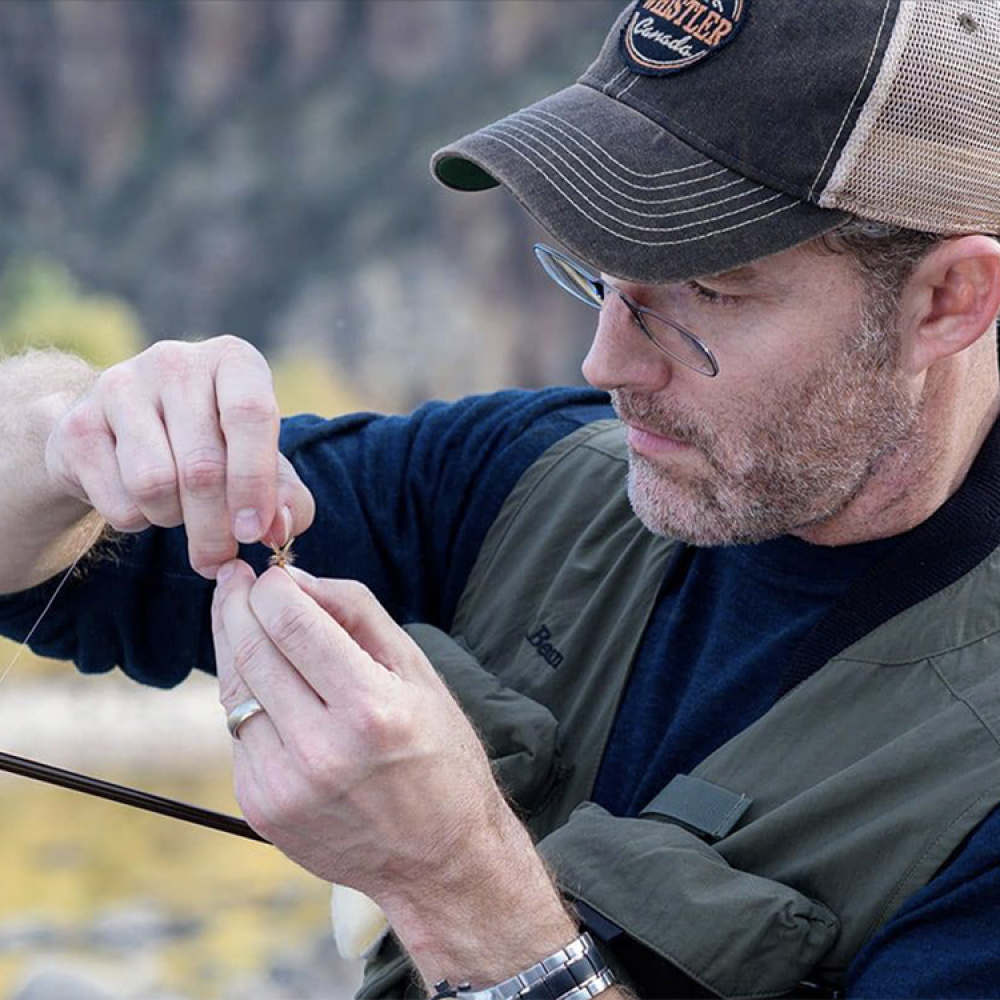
[125,795]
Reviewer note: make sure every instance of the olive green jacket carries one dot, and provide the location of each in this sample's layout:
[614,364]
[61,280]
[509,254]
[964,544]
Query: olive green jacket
[813,825]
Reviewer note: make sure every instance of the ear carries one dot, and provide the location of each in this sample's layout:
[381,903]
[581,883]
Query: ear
[951,300]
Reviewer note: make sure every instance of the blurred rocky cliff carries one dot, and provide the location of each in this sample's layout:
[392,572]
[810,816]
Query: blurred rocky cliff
[260,167]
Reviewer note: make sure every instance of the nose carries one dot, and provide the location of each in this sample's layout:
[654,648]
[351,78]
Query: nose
[621,355]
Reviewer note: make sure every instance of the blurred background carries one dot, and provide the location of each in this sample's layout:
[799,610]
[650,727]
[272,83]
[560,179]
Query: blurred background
[184,168]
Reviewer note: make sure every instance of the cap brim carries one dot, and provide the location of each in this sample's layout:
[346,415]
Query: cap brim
[626,196]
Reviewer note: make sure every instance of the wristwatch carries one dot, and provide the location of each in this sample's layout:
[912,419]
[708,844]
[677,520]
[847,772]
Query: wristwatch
[576,972]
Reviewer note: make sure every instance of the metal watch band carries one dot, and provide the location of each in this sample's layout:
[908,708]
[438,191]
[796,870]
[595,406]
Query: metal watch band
[576,972]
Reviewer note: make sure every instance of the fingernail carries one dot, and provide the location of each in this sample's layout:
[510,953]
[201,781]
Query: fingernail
[226,570]
[300,574]
[246,526]
[286,524]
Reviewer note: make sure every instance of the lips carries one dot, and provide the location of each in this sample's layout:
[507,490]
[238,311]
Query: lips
[652,443]
[652,429]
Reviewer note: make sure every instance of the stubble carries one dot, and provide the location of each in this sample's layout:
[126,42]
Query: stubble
[791,460]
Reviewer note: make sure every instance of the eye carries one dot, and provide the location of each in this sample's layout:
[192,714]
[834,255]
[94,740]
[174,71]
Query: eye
[710,294]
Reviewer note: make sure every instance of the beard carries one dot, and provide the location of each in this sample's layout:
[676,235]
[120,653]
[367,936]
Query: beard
[793,460]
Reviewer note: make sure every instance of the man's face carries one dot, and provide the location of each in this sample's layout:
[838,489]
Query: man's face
[807,404]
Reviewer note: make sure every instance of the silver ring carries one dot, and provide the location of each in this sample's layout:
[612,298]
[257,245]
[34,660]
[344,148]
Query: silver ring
[243,711]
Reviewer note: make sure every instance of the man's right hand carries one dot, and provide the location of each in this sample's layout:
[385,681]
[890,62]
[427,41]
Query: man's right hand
[184,433]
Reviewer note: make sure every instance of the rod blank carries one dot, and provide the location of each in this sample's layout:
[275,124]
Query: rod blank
[128,796]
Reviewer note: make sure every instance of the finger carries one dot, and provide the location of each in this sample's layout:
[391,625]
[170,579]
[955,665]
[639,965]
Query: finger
[82,458]
[233,690]
[333,662]
[250,422]
[359,613]
[292,705]
[329,660]
[258,742]
[145,461]
[295,497]
[192,427]
[281,531]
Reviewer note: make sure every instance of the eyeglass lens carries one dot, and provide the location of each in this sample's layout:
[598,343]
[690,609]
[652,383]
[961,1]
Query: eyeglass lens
[667,336]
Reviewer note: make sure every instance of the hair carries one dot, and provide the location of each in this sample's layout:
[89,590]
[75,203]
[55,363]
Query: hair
[886,257]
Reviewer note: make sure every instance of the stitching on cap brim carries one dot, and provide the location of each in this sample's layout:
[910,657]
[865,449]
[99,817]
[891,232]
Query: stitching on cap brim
[628,197]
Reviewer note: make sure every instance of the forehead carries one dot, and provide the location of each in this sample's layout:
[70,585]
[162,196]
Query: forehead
[809,262]
[804,274]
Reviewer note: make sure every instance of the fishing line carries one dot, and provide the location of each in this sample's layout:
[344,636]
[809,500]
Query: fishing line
[91,542]
[123,794]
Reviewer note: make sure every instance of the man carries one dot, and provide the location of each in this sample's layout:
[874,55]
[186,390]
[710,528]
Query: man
[752,725]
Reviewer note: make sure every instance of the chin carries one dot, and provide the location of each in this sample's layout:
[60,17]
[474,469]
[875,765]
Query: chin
[700,514]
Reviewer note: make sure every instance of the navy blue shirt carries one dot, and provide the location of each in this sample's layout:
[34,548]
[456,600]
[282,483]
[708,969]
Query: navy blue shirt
[403,504]
[726,625]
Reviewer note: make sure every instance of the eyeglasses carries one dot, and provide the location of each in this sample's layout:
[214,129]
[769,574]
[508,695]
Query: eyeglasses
[670,337]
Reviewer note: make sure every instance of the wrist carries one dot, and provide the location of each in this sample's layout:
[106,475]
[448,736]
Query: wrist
[30,498]
[576,972]
[496,913]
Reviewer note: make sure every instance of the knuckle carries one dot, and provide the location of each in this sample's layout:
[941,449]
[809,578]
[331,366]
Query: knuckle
[247,483]
[209,557]
[117,380]
[83,426]
[207,552]
[203,473]
[250,409]
[229,343]
[383,726]
[153,485]
[356,597]
[357,591]
[361,606]
[125,517]
[228,348]
[317,762]
[294,628]
[170,360]
[247,651]
[281,803]
[232,691]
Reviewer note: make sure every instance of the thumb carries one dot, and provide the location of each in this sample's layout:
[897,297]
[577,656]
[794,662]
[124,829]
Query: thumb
[354,607]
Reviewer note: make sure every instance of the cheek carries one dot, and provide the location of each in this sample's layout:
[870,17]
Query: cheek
[775,375]
[762,344]
[758,417]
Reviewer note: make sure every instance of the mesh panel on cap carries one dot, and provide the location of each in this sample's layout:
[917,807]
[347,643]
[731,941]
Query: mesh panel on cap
[925,153]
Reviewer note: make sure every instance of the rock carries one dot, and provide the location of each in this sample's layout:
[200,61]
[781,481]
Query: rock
[20,936]
[133,928]
[60,984]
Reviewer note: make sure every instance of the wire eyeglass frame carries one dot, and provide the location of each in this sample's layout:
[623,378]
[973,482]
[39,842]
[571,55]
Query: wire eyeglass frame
[572,277]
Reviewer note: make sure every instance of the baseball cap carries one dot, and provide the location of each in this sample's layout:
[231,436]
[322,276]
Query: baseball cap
[709,133]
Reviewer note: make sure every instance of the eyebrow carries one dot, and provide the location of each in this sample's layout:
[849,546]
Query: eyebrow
[738,276]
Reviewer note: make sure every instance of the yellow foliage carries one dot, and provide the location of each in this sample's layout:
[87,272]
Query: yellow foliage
[42,306]
[101,330]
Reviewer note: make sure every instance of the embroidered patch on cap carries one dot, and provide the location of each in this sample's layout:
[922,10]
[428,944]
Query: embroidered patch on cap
[664,36]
